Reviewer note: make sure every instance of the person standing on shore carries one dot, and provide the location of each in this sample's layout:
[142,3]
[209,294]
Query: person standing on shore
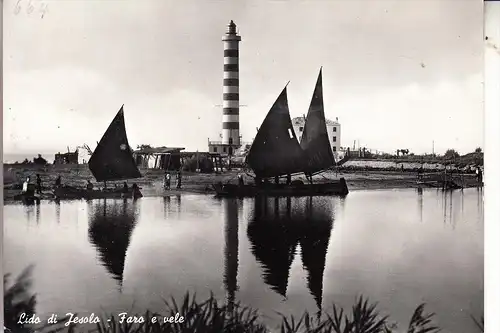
[136,193]
[26,184]
[166,181]
[58,181]
[179,179]
[38,184]
[420,172]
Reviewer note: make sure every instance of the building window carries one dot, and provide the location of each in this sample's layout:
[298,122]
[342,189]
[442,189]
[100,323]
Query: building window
[224,149]
[215,149]
[301,129]
[230,141]
[334,148]
[334,139]
[334,129]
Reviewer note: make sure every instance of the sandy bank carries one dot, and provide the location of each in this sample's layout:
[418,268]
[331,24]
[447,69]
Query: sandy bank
[151,182]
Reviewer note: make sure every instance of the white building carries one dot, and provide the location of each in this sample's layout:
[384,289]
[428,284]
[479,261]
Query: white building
[332,127]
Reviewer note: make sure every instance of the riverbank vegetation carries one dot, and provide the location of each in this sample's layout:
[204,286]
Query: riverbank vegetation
[213,316]
[451,156]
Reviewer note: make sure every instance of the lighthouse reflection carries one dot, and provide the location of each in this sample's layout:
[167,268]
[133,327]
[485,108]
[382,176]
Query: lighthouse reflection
[111,223]
[231,222]
[275,230]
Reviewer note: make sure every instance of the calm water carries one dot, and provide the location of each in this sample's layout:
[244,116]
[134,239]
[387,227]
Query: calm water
[399,248]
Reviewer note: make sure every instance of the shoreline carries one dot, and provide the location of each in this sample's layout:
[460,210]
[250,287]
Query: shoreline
[151,183]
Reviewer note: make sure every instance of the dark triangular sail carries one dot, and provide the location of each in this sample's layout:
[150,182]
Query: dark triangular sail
[275,150]
[112,159]
[314,141]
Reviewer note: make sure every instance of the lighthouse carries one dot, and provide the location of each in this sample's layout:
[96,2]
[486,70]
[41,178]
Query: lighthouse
[230,90]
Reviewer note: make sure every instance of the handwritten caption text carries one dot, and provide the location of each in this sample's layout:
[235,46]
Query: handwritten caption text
[71,318]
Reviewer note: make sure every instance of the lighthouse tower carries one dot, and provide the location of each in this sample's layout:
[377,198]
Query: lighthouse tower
[231,93]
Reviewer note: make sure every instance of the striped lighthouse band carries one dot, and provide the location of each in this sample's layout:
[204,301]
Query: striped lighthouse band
[230,90]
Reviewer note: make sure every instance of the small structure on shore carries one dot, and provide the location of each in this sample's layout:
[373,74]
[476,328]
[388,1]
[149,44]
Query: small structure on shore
[66,158]
[166,158]
[214,158]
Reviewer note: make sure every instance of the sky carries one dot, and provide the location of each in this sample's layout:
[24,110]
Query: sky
[397,74]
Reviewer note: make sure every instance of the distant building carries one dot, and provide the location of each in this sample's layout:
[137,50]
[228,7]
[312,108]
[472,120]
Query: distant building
[66,158]
[332,127]
[166,158]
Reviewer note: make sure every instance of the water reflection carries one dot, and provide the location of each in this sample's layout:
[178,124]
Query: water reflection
[274,233]
[231,250]
[420,203]
[111,223]
[480,201]
[448,212]
[178,197]
[29,212]
[58,211]
[37,214]
[166,206]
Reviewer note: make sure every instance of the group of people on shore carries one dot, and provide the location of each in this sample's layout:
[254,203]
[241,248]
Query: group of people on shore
[167,179]
[29,189]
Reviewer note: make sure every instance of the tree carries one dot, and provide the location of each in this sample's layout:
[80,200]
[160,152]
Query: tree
[40,160]
[144,146]
[451,153]
[478,150]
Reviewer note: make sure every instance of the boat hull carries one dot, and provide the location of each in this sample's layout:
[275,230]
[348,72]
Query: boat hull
[68,193]
[282,190]
[27,199]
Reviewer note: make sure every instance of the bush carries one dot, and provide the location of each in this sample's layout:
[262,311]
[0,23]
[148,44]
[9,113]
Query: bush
[210,316]
[40,160]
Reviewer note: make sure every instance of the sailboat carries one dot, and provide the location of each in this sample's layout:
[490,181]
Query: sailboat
[276,153]
[112,160]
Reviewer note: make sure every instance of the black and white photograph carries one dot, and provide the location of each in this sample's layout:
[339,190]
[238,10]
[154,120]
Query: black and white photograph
[245,166]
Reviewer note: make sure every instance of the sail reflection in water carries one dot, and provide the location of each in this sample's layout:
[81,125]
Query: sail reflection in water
[278,226]
[111,223]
